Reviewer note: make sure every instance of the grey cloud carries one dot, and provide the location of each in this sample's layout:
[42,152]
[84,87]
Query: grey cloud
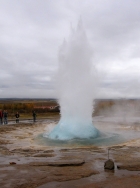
[31,32]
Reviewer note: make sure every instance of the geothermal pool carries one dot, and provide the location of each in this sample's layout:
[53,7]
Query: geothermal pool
[113,131]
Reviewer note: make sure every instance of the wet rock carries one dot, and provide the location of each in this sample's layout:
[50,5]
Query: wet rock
[43,155]
[4,142]
[129,167]
[48,151]
[26,150]
[12,163]
[63,150]
[6,129]
[109,164]
[59,163]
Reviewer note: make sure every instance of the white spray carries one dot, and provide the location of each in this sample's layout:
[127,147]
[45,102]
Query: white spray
[76,88]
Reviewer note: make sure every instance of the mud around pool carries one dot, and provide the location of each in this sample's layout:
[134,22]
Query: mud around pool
[25,163]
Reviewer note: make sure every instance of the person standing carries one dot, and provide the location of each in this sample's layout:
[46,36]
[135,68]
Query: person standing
[17,117]
[5,117]
[1,117]
[34,116]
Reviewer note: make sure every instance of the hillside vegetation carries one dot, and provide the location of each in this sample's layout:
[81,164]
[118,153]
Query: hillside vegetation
[47,107]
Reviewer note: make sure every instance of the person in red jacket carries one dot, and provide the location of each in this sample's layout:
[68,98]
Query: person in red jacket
[1,117]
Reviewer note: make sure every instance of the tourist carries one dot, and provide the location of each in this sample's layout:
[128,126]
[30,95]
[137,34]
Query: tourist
[5,116]
[34,116]
[17,117]
[1,117]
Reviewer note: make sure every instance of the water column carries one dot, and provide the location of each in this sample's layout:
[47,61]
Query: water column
[76,87]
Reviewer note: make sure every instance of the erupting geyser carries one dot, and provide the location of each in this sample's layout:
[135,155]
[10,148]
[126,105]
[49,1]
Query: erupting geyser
[76,88]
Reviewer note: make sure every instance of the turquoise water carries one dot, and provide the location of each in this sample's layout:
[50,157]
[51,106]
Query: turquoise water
[71,129]
[109,133]
[105,139]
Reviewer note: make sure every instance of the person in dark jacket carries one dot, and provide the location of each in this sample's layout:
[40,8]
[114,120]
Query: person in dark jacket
[5,117]
[1,117]
[34,116]
[17,117]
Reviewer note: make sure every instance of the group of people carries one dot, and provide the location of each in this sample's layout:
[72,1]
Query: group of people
[4,117]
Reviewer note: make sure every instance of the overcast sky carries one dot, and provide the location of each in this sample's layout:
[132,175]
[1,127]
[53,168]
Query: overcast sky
[31,32]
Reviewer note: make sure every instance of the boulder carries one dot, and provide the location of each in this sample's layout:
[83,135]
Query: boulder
[109,164]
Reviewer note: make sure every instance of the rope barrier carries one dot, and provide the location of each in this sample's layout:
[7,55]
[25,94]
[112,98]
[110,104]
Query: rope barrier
[115,149]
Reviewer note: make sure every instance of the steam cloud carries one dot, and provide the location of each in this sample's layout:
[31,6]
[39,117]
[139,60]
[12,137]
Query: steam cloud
[76,86]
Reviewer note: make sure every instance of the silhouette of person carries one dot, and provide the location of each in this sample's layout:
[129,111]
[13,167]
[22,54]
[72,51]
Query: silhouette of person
[5,117]
[34,116]
[1,117]
[17,117]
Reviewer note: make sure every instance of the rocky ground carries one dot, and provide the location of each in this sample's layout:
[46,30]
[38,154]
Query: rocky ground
[24,163]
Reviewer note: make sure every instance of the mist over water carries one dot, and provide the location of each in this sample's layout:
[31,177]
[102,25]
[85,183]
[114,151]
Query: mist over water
[76,87]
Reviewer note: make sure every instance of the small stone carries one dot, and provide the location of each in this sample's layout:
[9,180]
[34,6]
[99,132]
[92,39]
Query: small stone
[109,164]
